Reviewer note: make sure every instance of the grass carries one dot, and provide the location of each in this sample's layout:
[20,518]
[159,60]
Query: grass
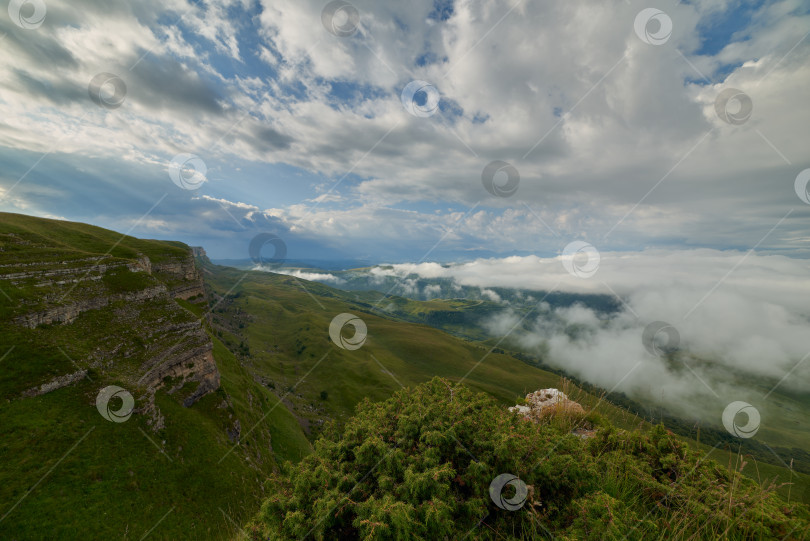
[282,378]
[65,471]
[58,238]
[123,481]
[288,339]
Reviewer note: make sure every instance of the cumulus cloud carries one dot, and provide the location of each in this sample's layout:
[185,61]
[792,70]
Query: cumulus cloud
[613,138]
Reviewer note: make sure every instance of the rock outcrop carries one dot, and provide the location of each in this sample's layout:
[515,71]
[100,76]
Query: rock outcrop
[194,365]
[56,383]
[182,276]
[547,402]
[69,312]
[157,343]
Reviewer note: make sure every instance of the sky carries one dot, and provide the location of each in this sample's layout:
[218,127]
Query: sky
[413,131]
[653,151]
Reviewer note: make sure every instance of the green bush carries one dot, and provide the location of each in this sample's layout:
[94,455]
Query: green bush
[419,466]
[126,281]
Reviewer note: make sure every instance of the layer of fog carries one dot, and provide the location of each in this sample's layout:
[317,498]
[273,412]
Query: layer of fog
[303,275]
[742,320]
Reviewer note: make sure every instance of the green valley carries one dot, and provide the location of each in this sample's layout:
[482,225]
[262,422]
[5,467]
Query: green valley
[234,377]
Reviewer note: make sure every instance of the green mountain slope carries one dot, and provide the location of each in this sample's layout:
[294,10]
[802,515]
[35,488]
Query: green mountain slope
[99,319]
[283,324]
[279,325]
[265,335]
[232,373]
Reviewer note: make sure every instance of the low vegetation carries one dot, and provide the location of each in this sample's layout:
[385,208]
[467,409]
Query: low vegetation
[419,466]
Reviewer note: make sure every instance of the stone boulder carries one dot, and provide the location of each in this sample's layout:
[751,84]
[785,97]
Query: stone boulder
[547,402]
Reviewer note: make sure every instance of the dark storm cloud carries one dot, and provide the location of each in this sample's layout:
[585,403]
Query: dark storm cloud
[267,139]
[163,83]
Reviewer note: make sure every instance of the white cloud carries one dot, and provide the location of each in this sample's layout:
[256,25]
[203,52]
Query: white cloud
[491,295]
[432,290]
[738,315]
[630,151]
[311,276]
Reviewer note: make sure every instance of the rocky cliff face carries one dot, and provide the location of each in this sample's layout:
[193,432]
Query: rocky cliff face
[183,276]
[124,307]
[69,312]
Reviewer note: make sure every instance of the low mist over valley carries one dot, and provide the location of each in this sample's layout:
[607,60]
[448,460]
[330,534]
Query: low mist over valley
[737,334]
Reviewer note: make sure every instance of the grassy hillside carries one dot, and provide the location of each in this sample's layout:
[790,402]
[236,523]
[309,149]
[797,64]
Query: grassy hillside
[283,324]
[172,471]
[73,239]
[120,479]
[68,473]
[783,435]
[279,326]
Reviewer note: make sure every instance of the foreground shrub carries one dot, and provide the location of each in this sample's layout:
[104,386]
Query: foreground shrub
[419,466]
